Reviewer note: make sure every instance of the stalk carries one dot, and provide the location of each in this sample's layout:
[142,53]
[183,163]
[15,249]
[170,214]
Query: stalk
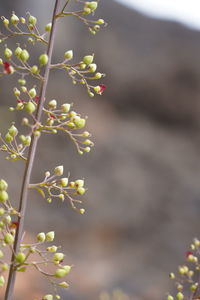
[30,158]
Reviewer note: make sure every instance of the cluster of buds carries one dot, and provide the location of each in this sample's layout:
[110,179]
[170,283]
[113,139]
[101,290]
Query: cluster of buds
[186,280]
[7,228]
[61,188]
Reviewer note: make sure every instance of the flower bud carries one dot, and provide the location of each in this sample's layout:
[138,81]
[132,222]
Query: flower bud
[8,138]
[13,131]
[65,107]
[24,56]
[92,5]
[32,93]
[179,296]
[88,59]
[171,276]
[2,212]
[52,249]
[82,211]
[100,22]
[43,59]
[80,123]
[3,185]
[64,285]
[82,66]
[62,272]
[9,239]
[24,89]
[2,281]
[20,257]
[48,27]
[80,191]
[79,183]
[169,297]
[52,104]
[30,107]
[41,237]
[6,22]
[25,121]
[22,20]
[3,196]
[50,236]
[27,141]
[58,256]
[87,149]
[98,75]
[68,54]
[32,20]
[92,68]
[48,297]
[91,94]
[85,134]
[17,92]
[7,53]
[58,171]
[18,51]
[14,19]
[193,287]
[7,220]
[34,69]
[64,182]
[87,10]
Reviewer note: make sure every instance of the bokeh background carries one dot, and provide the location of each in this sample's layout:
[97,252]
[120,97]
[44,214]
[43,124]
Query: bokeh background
[142,206]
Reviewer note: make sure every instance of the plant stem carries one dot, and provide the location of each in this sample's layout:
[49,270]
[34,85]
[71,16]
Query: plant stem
[30,159]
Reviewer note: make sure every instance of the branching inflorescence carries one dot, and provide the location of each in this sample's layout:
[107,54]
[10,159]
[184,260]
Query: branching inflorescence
[41,116]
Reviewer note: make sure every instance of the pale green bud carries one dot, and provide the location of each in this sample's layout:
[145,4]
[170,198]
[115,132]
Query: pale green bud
[6,22]
[65,107]
[82,66]
[7,220]
[2,211]
[87,149]
[100,22]
[18,51]
[50,236]
[3,185]
[64,181]
[80,123]
[32,20]
[13,131]
[64,285]
[30,107]
[24,89]
[16,92]
[52,249]
[43,59]
[92,5]
[98,75]
[62,272]
[169,297]
[20,257]
[85,134]
[92,68]
[179,296]
[7,53]
[24,56]
[25,121]
[5,267]
[80,191]
[79,183]
[8,138]
[88,142]
[3,196]
[58,256]
[34,69]
[27,141]
[52,104]
[82,211]
[2,281]
[14,19]
[193,287]
[48,27]
[87,10]
[8,239]
[48,297]
[91,94]
[171,275]
[88,59]
[68,54]
[22,20]
[41,237]
[32,93]
[58,171]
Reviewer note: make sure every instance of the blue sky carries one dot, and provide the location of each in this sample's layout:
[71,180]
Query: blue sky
[184,11]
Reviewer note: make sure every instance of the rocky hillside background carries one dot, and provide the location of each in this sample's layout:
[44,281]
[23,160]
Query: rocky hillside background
[144,173]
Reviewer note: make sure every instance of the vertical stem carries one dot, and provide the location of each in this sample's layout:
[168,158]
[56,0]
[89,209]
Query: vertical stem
[30,159]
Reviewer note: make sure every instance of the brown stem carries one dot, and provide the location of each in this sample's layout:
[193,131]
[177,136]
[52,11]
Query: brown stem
[30,159]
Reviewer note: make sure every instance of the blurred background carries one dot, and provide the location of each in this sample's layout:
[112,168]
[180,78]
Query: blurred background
[142,206]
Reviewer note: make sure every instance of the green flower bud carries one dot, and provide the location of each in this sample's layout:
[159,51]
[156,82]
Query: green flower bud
[8,239]
[64,182]
[91,94]
[41,237]
[64,285]
[80,123]
[92,68]
[18,51]
[43,59]
[100,22]
[98,75]
[86,134]
[37,133]
[48,27]
[72,184]
[20,257]
[68,54]
[16,92]
[24,89]
[52,249]
[58,256]
[87,10]
[5,267]
[82,211]
[88,59]
[179,296]
[24,56]
[80,191]
[50,236]
[79,183]
[48,297]
[52,104]
[171,275]
[1,254]
[25,121]
[82,66]
[7,53]
[32,20]
[65,107]
[6,22]
[3,196]
[32,93]
[13,131]
[87,149]
[62,272]
[92,5]
[169,297]
[27,141]
[7,220]
[34,69]
[14,19]
[2,211]
[3,185]
[58,171]
[88,142]
[22,20]
[8,138]
[193,287]
[2,281]
[30,107]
